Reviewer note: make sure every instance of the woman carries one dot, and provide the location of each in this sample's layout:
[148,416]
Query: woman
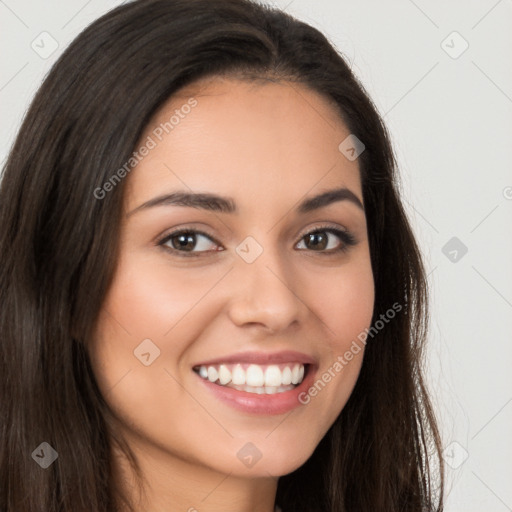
[211,296]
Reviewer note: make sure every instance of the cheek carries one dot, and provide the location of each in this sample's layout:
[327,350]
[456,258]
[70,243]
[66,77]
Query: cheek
[150,302]
[344,303]
[151,299]
[143,303]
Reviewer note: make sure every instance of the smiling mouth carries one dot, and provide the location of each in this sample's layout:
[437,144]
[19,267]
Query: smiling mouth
[254,378]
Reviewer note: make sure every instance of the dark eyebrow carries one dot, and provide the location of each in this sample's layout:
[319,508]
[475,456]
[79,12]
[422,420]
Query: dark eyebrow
[215,203]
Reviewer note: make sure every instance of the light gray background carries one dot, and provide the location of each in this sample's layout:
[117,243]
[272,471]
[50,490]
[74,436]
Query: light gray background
[451,123]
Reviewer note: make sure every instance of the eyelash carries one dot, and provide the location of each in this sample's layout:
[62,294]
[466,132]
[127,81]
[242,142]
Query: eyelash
[348,240]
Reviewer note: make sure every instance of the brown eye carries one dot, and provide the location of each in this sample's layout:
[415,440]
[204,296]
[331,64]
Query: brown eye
[319,240]
[185,241]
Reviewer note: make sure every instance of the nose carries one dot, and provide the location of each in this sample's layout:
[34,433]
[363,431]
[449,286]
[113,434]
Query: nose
[264,293]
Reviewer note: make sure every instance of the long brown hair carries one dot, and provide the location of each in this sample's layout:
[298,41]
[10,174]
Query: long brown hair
[59,247]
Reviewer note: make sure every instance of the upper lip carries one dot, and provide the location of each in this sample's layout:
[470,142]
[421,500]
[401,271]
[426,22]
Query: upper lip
[286,356]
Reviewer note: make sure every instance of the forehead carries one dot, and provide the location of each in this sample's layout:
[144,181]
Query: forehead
[266,141]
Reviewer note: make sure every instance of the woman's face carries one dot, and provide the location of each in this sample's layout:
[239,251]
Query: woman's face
[203,338]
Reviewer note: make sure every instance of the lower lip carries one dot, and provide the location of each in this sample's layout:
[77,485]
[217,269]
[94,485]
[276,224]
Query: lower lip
[278,403]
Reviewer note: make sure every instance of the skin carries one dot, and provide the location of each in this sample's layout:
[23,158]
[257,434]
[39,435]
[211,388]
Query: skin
[268,146]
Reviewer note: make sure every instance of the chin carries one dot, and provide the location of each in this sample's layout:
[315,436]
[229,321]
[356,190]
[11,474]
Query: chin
[263,459]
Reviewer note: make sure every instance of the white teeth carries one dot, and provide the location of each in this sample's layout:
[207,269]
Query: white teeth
[295,374]
[268,390]
[224,375]
[260,379]
[273,376]
[238,376]
[212,374]
[286,376]
[254,376]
